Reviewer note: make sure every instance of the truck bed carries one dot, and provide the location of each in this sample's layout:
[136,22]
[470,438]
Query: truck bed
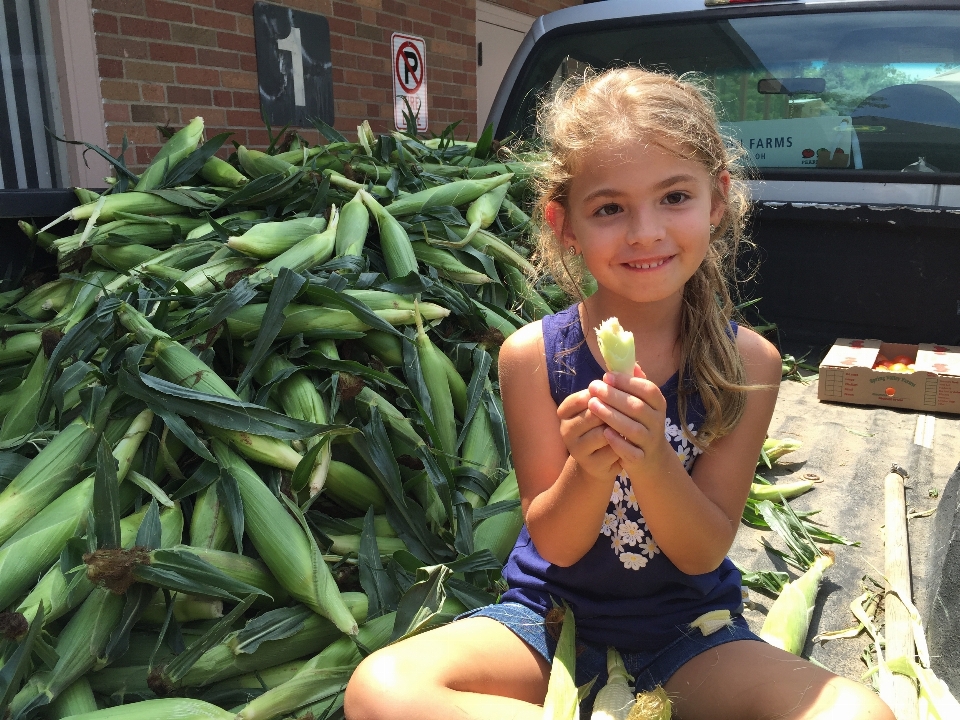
[852,448]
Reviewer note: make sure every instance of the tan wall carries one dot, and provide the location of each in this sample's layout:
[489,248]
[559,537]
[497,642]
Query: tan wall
[166,61]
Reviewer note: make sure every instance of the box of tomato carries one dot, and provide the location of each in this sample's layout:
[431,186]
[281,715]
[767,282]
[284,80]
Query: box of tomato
[872,372]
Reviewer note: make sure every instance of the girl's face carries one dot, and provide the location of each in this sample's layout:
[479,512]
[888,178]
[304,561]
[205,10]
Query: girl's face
[641,217]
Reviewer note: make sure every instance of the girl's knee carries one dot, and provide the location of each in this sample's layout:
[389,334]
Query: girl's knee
[382,686]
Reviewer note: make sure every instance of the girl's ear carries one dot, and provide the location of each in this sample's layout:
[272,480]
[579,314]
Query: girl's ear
[556,216]
[719,204]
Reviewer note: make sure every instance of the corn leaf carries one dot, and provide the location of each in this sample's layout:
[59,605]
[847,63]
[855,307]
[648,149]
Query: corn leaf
[272,625]
[481,369]
[382,592]
[421,602]
[136,600]
[106,499]
[191,164]
[18,663]
[228,493]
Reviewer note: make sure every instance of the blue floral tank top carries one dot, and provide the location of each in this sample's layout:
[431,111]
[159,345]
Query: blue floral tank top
[624,591]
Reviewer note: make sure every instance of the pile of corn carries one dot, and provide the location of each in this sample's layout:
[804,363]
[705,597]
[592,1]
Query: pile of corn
[251,428]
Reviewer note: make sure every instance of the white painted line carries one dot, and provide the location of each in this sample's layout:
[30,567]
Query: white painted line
[925,427]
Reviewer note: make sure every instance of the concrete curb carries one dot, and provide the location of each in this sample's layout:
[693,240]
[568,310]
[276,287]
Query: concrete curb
[942,623]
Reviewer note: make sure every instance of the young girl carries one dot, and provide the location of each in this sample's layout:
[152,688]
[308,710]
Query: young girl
[632,487]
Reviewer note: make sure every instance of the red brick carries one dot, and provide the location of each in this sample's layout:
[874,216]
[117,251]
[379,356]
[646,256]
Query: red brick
[166,52]
[440,18]
[106,23]
[115,112]
[137,134]
[355,45]
[246,99]
[222,98]
[119,90]
[153,93]
[374,64]
[156,114]
[341,26]
[244,7]
[245,25]
[372,109]
[122,47]
[257,137]
[371,33]
[162,10]
[217,58]
[188,96]
[136,27]
[110,68]
[348,92]
[144,154]
[345,60]
[248,63]
[346,10]
[124,7]
[147,71]
[336,42]
[240,43]
[241,118]
[193,35]
[238,80]
[212,116]
[215,19]
[187,75]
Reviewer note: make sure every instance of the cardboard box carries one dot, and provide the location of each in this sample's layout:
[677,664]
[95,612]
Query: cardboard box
[847,375]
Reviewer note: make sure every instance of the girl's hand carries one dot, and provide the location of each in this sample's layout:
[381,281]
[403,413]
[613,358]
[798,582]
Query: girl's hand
[584,435]
[633,413]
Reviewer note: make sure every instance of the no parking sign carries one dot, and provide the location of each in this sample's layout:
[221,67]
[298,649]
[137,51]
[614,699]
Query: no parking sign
[409,79]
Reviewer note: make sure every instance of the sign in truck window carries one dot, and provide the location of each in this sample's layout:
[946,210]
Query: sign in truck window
[816,142]
[293,65]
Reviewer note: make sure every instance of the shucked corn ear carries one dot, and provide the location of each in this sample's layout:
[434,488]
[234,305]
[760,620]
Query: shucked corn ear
[616,346]
[789,617]
[286,548]
[615,699]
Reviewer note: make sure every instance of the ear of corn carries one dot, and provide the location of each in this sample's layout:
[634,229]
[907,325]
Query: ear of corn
[787,622]
[484,210]
[313,250]
[22,417]
[269,239]
[242,568]
[394,241]
[142,203]
[44,302]
[352,231]
[458,386]
[499,533]
[456,193]
[447,264]
[257,164]
[223,174]
[652,705]
[534,303]
[19,348]
[186,608]
[386,346]
[286,549]
[209,524]
[495,248]
[403,436]
[353,489]
[438,388]
[160,709]
[77,699]
[349,545]
[123,257]
[781,490]
[206,228]
[561,700]
[479,450]
[178,147]
[615,699]
[616,346]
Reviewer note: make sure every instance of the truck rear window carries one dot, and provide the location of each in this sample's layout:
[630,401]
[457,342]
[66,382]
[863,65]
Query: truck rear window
[839,91]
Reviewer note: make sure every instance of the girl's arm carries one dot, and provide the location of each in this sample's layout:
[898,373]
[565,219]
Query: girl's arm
[693,519]
[565,467]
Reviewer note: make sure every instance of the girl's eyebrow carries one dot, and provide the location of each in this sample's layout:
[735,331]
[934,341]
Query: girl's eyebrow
[667,182]
[674,180]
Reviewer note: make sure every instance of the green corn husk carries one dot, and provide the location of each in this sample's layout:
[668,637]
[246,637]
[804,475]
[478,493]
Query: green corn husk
[86,298]
[313,322]
[458,386]
[386,346]
[52,471]
[496,248]
[179,146]
[205,279]
[354,224]
[222,174]
[313,250]
[209,524]
[45,301]
[447,264]
[456,193]
[268,239]
[141,203]
[514,214]
[299,156]
[615,699]
[22,416]
[302,688]
[259,448]
[402,434]
[339,181]
[561,700]
[438,388]
[484,210]
[287,549]
[788,620]
[123,258]
[479,451]
[18,349]
[245,569]
[353,489]
[77,699]
[349,545]
[257,164]
[268,678]
[532,301]
[394,241]
[186,609]
[499,533]
[206,228]
[775,449]
[161,709]
[381,526]
[59,595]
[780,490]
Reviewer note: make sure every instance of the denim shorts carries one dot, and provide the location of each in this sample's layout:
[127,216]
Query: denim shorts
[650,669]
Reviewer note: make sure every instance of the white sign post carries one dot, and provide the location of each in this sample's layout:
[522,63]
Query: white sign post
[409,79]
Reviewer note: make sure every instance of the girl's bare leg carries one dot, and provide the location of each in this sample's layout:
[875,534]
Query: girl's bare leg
[750,680]
[474,668]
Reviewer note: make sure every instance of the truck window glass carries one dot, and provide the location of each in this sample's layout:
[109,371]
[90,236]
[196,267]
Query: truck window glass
[839,91]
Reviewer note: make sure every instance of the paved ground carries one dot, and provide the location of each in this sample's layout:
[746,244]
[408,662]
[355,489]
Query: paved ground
[852,448]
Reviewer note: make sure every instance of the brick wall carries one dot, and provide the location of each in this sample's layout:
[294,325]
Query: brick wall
[163,62]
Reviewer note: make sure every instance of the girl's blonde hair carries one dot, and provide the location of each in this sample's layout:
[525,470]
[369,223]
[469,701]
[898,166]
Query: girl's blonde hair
[630,105]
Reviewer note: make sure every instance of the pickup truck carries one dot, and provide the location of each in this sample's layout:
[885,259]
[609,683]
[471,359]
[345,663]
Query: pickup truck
[850,112]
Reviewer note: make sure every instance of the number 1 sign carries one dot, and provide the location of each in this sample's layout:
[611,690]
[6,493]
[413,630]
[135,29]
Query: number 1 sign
[293,65]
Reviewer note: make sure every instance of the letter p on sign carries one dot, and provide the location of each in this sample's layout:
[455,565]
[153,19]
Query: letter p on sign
[409,80]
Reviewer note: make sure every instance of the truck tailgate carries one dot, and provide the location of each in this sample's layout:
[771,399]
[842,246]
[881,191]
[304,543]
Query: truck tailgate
[852,449]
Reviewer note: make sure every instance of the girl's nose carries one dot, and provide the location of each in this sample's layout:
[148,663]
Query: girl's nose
[645,228]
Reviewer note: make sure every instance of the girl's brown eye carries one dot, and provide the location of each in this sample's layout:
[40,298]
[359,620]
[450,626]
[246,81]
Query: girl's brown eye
[608,210]
[675,197]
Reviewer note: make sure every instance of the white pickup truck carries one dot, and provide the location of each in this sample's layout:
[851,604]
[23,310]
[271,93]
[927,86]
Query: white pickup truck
[851,113]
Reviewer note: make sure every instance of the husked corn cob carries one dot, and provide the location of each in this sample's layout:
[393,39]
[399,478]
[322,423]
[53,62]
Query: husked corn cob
[447,264]
[353,489]
[615,699]
[269,239]
[456,193]
[394,241]
[179,146]
[616,346]
[788,620]
[223,174]
[352,231]
[285,547]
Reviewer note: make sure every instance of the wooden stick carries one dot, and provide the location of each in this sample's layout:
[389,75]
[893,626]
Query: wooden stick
[900,692]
